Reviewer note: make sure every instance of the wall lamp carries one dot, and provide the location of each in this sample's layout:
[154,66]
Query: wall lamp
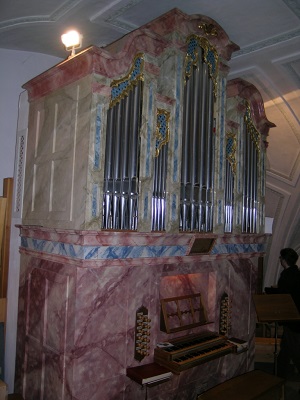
[72,40]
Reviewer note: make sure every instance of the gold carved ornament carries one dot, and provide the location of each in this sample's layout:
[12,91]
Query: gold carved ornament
[251,129]
[162,133]
[210,57]
[121,87]
[231,144]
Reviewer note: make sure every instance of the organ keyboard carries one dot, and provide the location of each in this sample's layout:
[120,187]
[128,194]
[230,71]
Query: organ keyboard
[186,352]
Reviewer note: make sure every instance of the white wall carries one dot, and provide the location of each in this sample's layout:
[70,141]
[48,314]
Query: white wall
[16,68]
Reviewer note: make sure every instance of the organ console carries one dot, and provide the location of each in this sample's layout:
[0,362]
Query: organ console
[182,313]
[191,350]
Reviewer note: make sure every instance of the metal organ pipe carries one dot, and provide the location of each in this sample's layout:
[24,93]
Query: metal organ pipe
[124,155]
[197,153]
[250,182]
[108,172]
[160,172]
[193,146]
[254,188]
[202,158]
[134,154]
[229,185]
[117,171]
[246,207]
[185,160]
[255,182]
[121,162]
[209,162]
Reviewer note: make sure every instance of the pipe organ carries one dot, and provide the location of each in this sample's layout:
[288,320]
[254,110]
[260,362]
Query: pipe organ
[144,181]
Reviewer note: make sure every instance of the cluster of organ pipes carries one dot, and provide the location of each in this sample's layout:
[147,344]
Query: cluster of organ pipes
[197,149]
[229,197]
[160,171]
[121,170]
[250,186]
[229,180]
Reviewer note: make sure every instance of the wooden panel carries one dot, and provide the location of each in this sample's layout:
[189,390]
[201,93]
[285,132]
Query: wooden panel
[50,161]
[275,308]
[3,205]
[7,193]
[46,343]
[182,312]
[2,310]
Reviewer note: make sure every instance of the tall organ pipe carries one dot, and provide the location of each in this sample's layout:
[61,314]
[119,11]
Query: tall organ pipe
[209,171]
[194,104]
[185,158]
[124,156]
[197,160]
[121,162]
[134,146]
[163,186]
[108,171]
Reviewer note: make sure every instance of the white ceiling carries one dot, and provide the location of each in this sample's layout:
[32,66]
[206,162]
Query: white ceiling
[268,33]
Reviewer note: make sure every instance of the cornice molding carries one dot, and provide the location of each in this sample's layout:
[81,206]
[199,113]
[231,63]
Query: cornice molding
[53,17]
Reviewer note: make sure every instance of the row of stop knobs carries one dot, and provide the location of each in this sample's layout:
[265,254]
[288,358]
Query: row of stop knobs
[142,334]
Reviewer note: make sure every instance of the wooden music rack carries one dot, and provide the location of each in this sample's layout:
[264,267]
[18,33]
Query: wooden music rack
[181,313]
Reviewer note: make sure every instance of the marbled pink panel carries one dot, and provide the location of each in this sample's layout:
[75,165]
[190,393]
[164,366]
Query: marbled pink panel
[115,60]
[245,90]
[98,322]
[45,328]
[151,69]
[101,89]
[114,238]
[176,20]
[165,99]
[95,60]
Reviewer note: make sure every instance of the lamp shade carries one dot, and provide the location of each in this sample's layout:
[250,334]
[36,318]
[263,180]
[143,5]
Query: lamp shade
[71,39]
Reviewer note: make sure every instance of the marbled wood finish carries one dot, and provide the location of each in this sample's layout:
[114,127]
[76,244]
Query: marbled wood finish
[77,320]
[103,248]
[240,88]
[171,29]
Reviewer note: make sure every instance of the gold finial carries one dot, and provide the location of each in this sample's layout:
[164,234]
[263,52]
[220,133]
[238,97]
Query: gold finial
[208,29]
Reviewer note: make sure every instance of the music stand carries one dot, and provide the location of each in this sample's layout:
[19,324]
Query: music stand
[275,308]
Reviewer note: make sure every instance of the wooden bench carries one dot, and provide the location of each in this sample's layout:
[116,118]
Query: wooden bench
[254,385]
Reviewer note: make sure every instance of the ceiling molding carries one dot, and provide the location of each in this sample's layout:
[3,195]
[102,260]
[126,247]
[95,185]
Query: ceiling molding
[267,43]
[50,18]
[113,18]
[294,6]
[292,71]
